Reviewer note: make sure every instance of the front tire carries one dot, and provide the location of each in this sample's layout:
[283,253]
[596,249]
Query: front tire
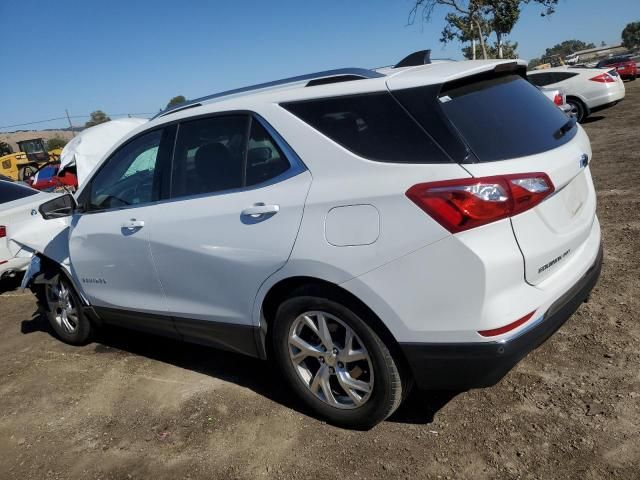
[335,362]
[63,309]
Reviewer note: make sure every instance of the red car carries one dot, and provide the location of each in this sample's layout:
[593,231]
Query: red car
[47,179]
[626,68]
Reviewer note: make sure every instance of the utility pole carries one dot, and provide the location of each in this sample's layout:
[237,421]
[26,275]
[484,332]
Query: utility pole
[70,125]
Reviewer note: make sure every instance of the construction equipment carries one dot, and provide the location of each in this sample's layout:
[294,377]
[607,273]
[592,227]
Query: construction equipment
[32,155]
[550,62]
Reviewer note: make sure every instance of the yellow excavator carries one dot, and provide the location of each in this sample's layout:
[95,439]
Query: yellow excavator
[32,154]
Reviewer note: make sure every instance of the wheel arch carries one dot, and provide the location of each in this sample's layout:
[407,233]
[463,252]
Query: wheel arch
[48,269]
[301,285]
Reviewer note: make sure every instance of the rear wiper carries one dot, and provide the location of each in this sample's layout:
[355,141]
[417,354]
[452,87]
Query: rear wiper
[565,128]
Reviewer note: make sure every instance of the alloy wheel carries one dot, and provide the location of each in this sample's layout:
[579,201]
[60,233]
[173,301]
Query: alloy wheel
[62,305]
[331,360]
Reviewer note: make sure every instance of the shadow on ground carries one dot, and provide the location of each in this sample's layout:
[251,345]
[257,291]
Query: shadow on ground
[592,119]
[257,375]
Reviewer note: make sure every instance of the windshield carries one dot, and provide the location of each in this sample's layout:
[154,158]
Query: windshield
[31,146]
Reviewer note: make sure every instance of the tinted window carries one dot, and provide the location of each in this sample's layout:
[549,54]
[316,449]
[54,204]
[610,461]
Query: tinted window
[12,191]
[265,160]
[540,79]
[129,177]
[373,126]
[505,118]
[560,76]
[215,154]
[209,155]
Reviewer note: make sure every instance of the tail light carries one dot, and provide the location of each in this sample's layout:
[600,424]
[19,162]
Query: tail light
[3,231]
[459,205]
[603,78]
[558,100]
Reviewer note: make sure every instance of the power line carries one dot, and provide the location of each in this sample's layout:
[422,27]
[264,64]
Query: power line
[73,116]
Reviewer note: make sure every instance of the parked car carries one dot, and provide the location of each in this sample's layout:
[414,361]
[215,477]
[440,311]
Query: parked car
[588,90]
[558,97]
[18,203]
[624,65]
[363,231]
[49,179]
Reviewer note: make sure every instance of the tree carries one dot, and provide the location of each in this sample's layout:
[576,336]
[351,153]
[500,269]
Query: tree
[97,118]
[509,50]
[567,47]
[464,22]
[177,100]
[534,62]
[469,20]
[631,35]
[504,15]
[466,28]
[5,149]
[56,142]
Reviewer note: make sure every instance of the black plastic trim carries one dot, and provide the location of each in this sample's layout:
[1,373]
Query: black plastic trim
[144,322]
[226,336]
[461,366]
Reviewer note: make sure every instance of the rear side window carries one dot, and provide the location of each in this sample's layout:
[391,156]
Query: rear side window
[541,79]
[549,78]
[506,117]
[12,191]
[560,76]
[373,126]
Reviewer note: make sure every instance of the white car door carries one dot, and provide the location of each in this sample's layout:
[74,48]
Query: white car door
[235,211]
[109,237]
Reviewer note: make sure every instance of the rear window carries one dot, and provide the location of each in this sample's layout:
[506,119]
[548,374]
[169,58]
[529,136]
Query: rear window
[504,118]
[373,126]
[12,191]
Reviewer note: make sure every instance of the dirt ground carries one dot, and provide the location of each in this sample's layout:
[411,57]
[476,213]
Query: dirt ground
[134,406]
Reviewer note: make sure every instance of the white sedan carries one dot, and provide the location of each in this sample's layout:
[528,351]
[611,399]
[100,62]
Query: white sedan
[18,205]
[587,89]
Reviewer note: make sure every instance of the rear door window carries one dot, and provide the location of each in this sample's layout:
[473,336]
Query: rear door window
[505,117]
[224,152]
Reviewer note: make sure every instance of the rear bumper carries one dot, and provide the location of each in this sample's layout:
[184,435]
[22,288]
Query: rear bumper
[606,105]
[473,365]
[610,97]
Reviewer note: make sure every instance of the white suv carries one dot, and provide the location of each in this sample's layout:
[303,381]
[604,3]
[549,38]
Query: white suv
[364,231]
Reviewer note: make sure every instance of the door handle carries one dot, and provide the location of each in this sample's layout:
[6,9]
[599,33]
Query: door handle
[260,209]
[132,224]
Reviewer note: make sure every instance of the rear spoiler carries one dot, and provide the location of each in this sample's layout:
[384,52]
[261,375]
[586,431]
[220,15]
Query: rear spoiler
[500,70]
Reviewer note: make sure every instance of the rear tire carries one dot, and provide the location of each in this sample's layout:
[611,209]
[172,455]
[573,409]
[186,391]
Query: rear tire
[62,307]
[577,109]
[343,371]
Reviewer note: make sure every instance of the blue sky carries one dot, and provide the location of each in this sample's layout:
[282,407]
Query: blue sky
[130,56]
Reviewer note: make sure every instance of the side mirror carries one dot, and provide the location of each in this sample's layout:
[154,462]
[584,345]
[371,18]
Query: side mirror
[59,207]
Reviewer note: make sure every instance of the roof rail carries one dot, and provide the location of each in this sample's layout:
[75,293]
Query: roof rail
[421,57]
[342,74]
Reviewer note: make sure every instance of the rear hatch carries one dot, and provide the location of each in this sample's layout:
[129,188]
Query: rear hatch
[499,124]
